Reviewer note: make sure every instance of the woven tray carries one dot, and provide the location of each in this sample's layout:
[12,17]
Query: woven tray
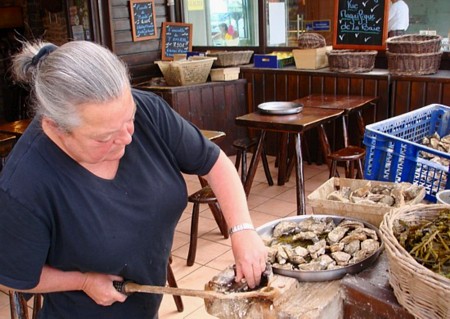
[424,293]
[413,63]
[231,58]
[351,60]
[414,43]
[186,72]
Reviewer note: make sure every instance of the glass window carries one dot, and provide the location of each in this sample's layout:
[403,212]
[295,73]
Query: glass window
[287,19]
[223,22]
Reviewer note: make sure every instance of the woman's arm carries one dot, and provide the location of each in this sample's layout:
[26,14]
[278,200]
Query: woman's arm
[97,286]
[249,251]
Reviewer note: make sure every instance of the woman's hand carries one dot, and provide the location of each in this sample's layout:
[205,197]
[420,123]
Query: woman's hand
[99,287]
[250,255]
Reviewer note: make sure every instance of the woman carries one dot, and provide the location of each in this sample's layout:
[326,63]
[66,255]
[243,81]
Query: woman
[93,190]
[223,34]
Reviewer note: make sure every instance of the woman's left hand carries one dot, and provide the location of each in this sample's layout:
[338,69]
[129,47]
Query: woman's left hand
[250,256]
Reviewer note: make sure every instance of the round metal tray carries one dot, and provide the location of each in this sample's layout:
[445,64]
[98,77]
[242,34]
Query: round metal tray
[280,108]
[322,275]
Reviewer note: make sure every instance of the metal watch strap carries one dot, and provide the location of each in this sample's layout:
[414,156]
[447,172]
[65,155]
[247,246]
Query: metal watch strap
[240,227]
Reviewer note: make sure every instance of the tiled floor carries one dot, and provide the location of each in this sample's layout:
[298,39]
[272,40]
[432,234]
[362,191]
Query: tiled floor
[266,203]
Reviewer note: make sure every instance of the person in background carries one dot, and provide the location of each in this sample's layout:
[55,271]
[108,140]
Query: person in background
[223,34]
[94,188]
[398,18]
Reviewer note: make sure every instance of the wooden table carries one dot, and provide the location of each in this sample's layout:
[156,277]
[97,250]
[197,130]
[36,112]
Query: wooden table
[16,128]
[294,123]
[348,103]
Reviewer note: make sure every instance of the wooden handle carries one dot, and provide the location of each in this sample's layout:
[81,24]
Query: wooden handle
[128,287]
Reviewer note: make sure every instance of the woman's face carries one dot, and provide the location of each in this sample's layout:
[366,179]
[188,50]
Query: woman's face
[104,132]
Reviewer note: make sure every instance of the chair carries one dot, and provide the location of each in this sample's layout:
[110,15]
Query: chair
[19,307]
[244,145]
[204,196]
[351,155]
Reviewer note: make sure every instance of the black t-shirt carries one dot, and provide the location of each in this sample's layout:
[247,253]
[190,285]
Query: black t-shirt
[55,212]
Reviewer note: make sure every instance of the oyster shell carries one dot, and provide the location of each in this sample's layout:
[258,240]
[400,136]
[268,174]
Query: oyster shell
[284,228]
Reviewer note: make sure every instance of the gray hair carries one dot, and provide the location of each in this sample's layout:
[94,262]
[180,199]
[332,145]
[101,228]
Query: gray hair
[74,74]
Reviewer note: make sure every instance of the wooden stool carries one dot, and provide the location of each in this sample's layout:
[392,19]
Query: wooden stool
[204,196]
[350,155]
[7,142]
[243,145]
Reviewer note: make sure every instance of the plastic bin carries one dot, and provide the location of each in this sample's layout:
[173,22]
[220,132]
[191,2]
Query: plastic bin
[393,148]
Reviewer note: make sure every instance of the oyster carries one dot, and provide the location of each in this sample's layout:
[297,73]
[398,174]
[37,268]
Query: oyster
[337,234]
[341,258]
[284,228]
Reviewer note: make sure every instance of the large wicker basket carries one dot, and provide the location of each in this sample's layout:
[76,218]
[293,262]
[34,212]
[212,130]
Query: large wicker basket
[413,63]
[231,58]
[414,43]
[351,60]
[424,293]
[186,72]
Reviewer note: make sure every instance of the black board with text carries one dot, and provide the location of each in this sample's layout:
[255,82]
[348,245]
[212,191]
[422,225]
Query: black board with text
[143,20]
[360,24]
[176,39]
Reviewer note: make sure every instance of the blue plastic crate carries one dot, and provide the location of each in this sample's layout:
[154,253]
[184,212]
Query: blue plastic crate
[271,61]
[394,147]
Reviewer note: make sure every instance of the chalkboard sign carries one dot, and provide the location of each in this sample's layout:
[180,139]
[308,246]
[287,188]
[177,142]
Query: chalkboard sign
[360,24]
[176,39]
[143,19]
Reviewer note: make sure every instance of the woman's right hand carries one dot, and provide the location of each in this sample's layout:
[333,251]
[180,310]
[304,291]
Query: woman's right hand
[99,287]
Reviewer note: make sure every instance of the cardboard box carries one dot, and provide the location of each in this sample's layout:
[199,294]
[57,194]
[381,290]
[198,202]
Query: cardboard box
[224,74]
[271,61]
[372,214]
[311,58]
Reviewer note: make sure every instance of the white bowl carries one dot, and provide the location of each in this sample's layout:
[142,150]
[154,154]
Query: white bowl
[443,197]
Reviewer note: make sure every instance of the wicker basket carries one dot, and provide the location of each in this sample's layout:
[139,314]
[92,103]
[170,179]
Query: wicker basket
[311,41]
[231,58]
[413,63]
[424,293]
[414,43]
[351,60]
[186,72]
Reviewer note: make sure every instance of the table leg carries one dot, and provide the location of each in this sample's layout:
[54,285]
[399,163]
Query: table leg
[254,164]
[300,180]
[283,158]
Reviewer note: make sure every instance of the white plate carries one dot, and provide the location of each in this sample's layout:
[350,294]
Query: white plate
[280,108]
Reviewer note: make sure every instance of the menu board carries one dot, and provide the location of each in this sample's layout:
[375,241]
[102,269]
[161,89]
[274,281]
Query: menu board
[143,19]
[176,39]
[360,24]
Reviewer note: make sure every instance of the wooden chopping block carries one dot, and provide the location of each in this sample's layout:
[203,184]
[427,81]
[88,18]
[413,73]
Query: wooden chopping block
[255,308]
[296,300]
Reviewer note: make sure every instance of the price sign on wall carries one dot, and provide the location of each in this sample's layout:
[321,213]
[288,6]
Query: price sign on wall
[176,39]
[143,19]
[360,24]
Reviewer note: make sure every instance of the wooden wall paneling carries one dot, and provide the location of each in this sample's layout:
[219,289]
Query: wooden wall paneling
[434,92]
[412,92]
[292,87]
[446,94]
[317,84]
[281,87]
[418,95]
[140,55]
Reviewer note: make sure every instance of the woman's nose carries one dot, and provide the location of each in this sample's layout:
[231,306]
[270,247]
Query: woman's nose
[125,135]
